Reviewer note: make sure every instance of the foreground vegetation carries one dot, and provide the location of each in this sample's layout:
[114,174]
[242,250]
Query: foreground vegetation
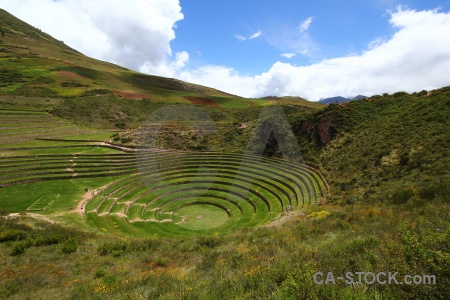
[276,262]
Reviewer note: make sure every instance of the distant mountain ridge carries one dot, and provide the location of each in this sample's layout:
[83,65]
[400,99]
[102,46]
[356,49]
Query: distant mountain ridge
[340,99]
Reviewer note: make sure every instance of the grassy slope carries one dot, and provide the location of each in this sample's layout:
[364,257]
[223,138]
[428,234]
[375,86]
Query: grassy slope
[383,146]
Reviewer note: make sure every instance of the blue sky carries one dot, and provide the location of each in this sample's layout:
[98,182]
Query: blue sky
[313,49]
[338,28]
[209,29]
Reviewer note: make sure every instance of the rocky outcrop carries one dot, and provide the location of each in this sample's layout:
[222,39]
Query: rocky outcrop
[321,129]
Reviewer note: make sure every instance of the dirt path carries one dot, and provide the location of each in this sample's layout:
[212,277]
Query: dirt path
[287,217]
[81,206]
[32,215]
[183,220]
[42,217]
[122,148]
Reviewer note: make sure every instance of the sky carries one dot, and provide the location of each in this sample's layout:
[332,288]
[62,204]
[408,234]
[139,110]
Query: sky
[312,49]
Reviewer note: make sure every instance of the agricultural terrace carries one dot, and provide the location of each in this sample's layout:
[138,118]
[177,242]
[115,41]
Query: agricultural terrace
[145,192]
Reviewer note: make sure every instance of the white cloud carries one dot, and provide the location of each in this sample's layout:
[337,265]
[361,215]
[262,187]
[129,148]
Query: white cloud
[288,55]
[293,39]
[416,57]
[222,78]
[241,38]
[377,42]
[133,33]
[304,26]
[167,68]
[255,35]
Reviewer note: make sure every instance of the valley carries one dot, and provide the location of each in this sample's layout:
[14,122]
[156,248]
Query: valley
[121,185]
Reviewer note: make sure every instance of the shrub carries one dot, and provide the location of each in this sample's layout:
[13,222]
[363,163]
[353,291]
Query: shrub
[96,92]
[209,241]
[72,84]
[402,196]
[113,249]
[400,94]
[99,273]
[160,261]
[142,245]
[35,91]
[43,80]
[12,235]
[20,247]
[431,190]
[49,240]
[69,246]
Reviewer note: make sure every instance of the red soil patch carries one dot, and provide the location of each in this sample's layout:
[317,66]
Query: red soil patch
[67,74]
[202,101]
[131,95]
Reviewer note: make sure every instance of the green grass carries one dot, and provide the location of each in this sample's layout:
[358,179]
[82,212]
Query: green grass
[65,194]
[253,192]
[202,217]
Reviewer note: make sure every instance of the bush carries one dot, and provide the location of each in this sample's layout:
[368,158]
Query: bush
[99,273]
[72,84]
[113,249]
[400,94]
[431,190]
[69,246]
[96,92]
[142,245]
[20,247]
[12,235]
[49,240]
[161,261]
[209,241]
[43,80]
[402,196]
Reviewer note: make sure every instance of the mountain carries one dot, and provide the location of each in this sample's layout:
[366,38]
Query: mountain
[292,100]
[340,99]
[359,97]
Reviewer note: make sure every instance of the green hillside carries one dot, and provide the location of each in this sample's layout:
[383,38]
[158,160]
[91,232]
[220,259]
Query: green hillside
[114,186]
[35,64]
[385,148]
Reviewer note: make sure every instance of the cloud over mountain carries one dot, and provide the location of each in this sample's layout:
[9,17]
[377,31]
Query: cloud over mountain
[415,57]
[137,34]
[133,33]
